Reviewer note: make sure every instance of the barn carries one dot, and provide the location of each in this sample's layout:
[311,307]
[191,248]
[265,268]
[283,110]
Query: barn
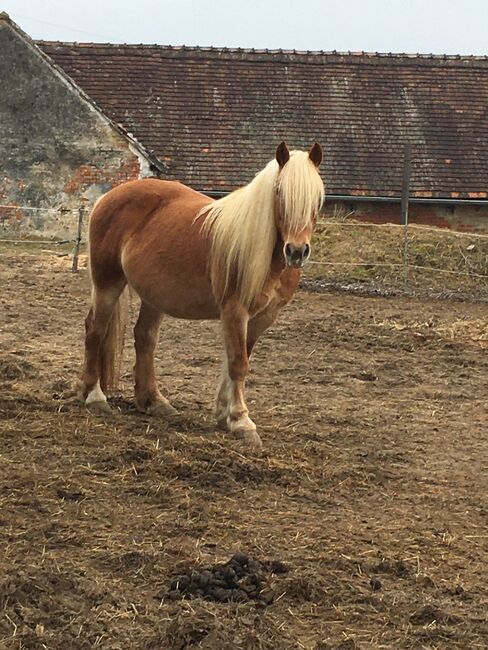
[79,118]
[58,149]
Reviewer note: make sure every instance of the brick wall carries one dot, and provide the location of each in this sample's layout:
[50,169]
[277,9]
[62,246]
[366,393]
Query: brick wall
[56,151]
[458,217]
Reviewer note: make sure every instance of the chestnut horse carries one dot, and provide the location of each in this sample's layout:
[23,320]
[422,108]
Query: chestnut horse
[237,259]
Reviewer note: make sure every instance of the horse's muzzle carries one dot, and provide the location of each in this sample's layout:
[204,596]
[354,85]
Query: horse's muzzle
[296,256]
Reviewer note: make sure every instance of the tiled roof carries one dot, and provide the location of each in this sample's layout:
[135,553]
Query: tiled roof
[215,116]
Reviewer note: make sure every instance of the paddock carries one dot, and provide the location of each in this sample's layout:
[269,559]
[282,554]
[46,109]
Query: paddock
[371,488]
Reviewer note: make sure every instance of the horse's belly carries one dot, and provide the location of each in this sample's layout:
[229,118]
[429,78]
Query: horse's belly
[169,273]
[174,291]
[190,306]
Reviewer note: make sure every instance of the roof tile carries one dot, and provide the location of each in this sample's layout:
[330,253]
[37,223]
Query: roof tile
[214,116]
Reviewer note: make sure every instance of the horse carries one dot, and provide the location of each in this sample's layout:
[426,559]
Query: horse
[237,259]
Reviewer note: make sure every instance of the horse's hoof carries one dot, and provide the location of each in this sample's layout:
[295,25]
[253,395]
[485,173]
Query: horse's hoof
[252,440]
[245,430]
[161,409]
[98,408]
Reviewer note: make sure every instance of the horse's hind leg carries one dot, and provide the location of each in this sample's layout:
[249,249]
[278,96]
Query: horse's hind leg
[148,398]
[99,330]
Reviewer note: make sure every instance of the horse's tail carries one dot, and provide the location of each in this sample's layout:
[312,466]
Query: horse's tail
[113,344]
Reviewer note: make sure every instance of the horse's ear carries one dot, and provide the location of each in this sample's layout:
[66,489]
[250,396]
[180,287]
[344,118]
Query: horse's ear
[315,154]
[282,154]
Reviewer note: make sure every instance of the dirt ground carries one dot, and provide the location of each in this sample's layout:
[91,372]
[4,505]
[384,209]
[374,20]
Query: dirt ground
[372,487]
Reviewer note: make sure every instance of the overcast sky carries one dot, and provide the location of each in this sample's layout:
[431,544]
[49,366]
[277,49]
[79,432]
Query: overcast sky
[437,26]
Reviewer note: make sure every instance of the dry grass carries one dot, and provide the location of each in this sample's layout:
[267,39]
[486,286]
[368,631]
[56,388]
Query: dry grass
[372,486]
[439,260]
[465,330]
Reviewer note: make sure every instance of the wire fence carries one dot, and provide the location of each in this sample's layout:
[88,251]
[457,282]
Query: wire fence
[61,210]
[340,223]
[412,258]
[355,254]
[80,217]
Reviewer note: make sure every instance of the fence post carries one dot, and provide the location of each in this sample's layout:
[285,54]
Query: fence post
[76,250]
[407,170]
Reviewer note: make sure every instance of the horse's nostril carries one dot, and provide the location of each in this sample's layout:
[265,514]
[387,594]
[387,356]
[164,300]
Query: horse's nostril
[288,250]
[306,250]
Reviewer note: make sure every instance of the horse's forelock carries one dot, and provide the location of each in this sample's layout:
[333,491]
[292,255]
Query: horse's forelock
[301,192]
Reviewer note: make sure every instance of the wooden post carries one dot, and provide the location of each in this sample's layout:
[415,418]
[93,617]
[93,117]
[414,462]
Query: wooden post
[76,250]
[407,171]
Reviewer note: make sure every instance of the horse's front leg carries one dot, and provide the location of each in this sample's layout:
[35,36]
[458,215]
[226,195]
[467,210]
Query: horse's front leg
[260,324]
[231,395]
[222,397]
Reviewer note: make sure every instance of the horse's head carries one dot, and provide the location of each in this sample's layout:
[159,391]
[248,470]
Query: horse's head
[299,197]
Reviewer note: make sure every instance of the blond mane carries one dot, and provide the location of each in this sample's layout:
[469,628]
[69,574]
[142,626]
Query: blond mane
[242,224]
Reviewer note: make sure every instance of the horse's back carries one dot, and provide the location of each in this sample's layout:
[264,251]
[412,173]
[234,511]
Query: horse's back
[134,200]
[145,231]
[141,208]
[145,187]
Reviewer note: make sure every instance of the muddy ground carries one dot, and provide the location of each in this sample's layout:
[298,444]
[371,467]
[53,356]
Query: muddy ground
[372,488]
